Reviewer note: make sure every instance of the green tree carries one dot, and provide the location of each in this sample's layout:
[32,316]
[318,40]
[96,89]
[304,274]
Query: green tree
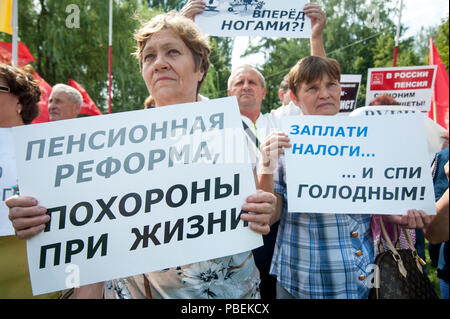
[422,42]
[215,85]
[383,52]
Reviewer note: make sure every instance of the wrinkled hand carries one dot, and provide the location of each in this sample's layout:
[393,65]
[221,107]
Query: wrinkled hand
[318,18]
[414,219]
[28,219]
[260,207]
[271,149]
[192,8]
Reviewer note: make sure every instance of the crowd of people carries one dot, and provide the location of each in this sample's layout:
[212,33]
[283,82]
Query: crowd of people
[305,255]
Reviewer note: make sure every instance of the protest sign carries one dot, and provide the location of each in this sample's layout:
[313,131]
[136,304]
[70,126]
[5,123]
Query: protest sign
[8,179]
[268,18]
[135,192]
[350,84]
[410,86]
[434,132]
[358,165]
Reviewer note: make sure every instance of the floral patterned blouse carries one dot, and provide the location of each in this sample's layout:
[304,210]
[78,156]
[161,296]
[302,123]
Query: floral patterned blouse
[231,277]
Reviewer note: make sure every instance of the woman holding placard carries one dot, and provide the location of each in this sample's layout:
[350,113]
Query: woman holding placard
[321,255]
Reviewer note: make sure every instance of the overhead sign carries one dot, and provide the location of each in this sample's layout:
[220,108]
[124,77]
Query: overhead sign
[268,18]
[142,191]
[410,86]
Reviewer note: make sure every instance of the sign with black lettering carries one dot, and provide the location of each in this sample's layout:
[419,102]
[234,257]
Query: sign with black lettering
[350,84]
[411,86]
[8,179]
[358,165]
[268,18]
[135,192]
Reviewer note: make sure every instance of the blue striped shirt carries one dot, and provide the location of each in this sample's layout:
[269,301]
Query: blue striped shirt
[322,255]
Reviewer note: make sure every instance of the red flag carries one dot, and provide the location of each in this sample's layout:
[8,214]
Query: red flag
[24,55]
[46,89]
[88,107]
[439,103]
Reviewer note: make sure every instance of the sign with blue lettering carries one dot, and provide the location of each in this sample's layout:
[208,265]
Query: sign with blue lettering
[268,18]
[358,165]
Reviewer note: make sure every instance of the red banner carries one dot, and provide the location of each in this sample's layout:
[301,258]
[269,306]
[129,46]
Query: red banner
[46,89]
[88,107]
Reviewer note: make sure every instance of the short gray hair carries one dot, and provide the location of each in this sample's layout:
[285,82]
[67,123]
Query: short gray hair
[74,94]
[245,66]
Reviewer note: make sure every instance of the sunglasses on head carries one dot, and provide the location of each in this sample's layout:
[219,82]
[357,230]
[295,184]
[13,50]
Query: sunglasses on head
[5,89]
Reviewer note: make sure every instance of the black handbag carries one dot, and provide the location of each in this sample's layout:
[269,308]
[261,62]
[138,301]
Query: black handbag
[398,273]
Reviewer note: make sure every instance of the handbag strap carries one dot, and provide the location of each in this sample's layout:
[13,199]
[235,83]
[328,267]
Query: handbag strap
[395,254]
[396,237]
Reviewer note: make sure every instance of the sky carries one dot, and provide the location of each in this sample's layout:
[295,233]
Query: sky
[415,14]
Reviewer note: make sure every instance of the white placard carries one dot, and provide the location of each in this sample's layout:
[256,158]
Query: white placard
[268,18]
[411,86]
[358,165]
[140,191]
[8,178]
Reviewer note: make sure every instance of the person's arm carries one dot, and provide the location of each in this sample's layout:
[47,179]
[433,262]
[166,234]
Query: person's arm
[318,21]
[192,8]
[437,231]
[271,149]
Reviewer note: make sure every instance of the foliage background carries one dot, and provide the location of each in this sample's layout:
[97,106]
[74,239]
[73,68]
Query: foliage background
[351,36]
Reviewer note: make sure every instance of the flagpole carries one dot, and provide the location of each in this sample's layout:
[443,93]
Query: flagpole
[397,36]
[110,53]
[15,34]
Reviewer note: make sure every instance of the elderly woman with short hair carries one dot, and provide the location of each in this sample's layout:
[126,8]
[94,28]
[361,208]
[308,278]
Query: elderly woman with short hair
[321,256]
